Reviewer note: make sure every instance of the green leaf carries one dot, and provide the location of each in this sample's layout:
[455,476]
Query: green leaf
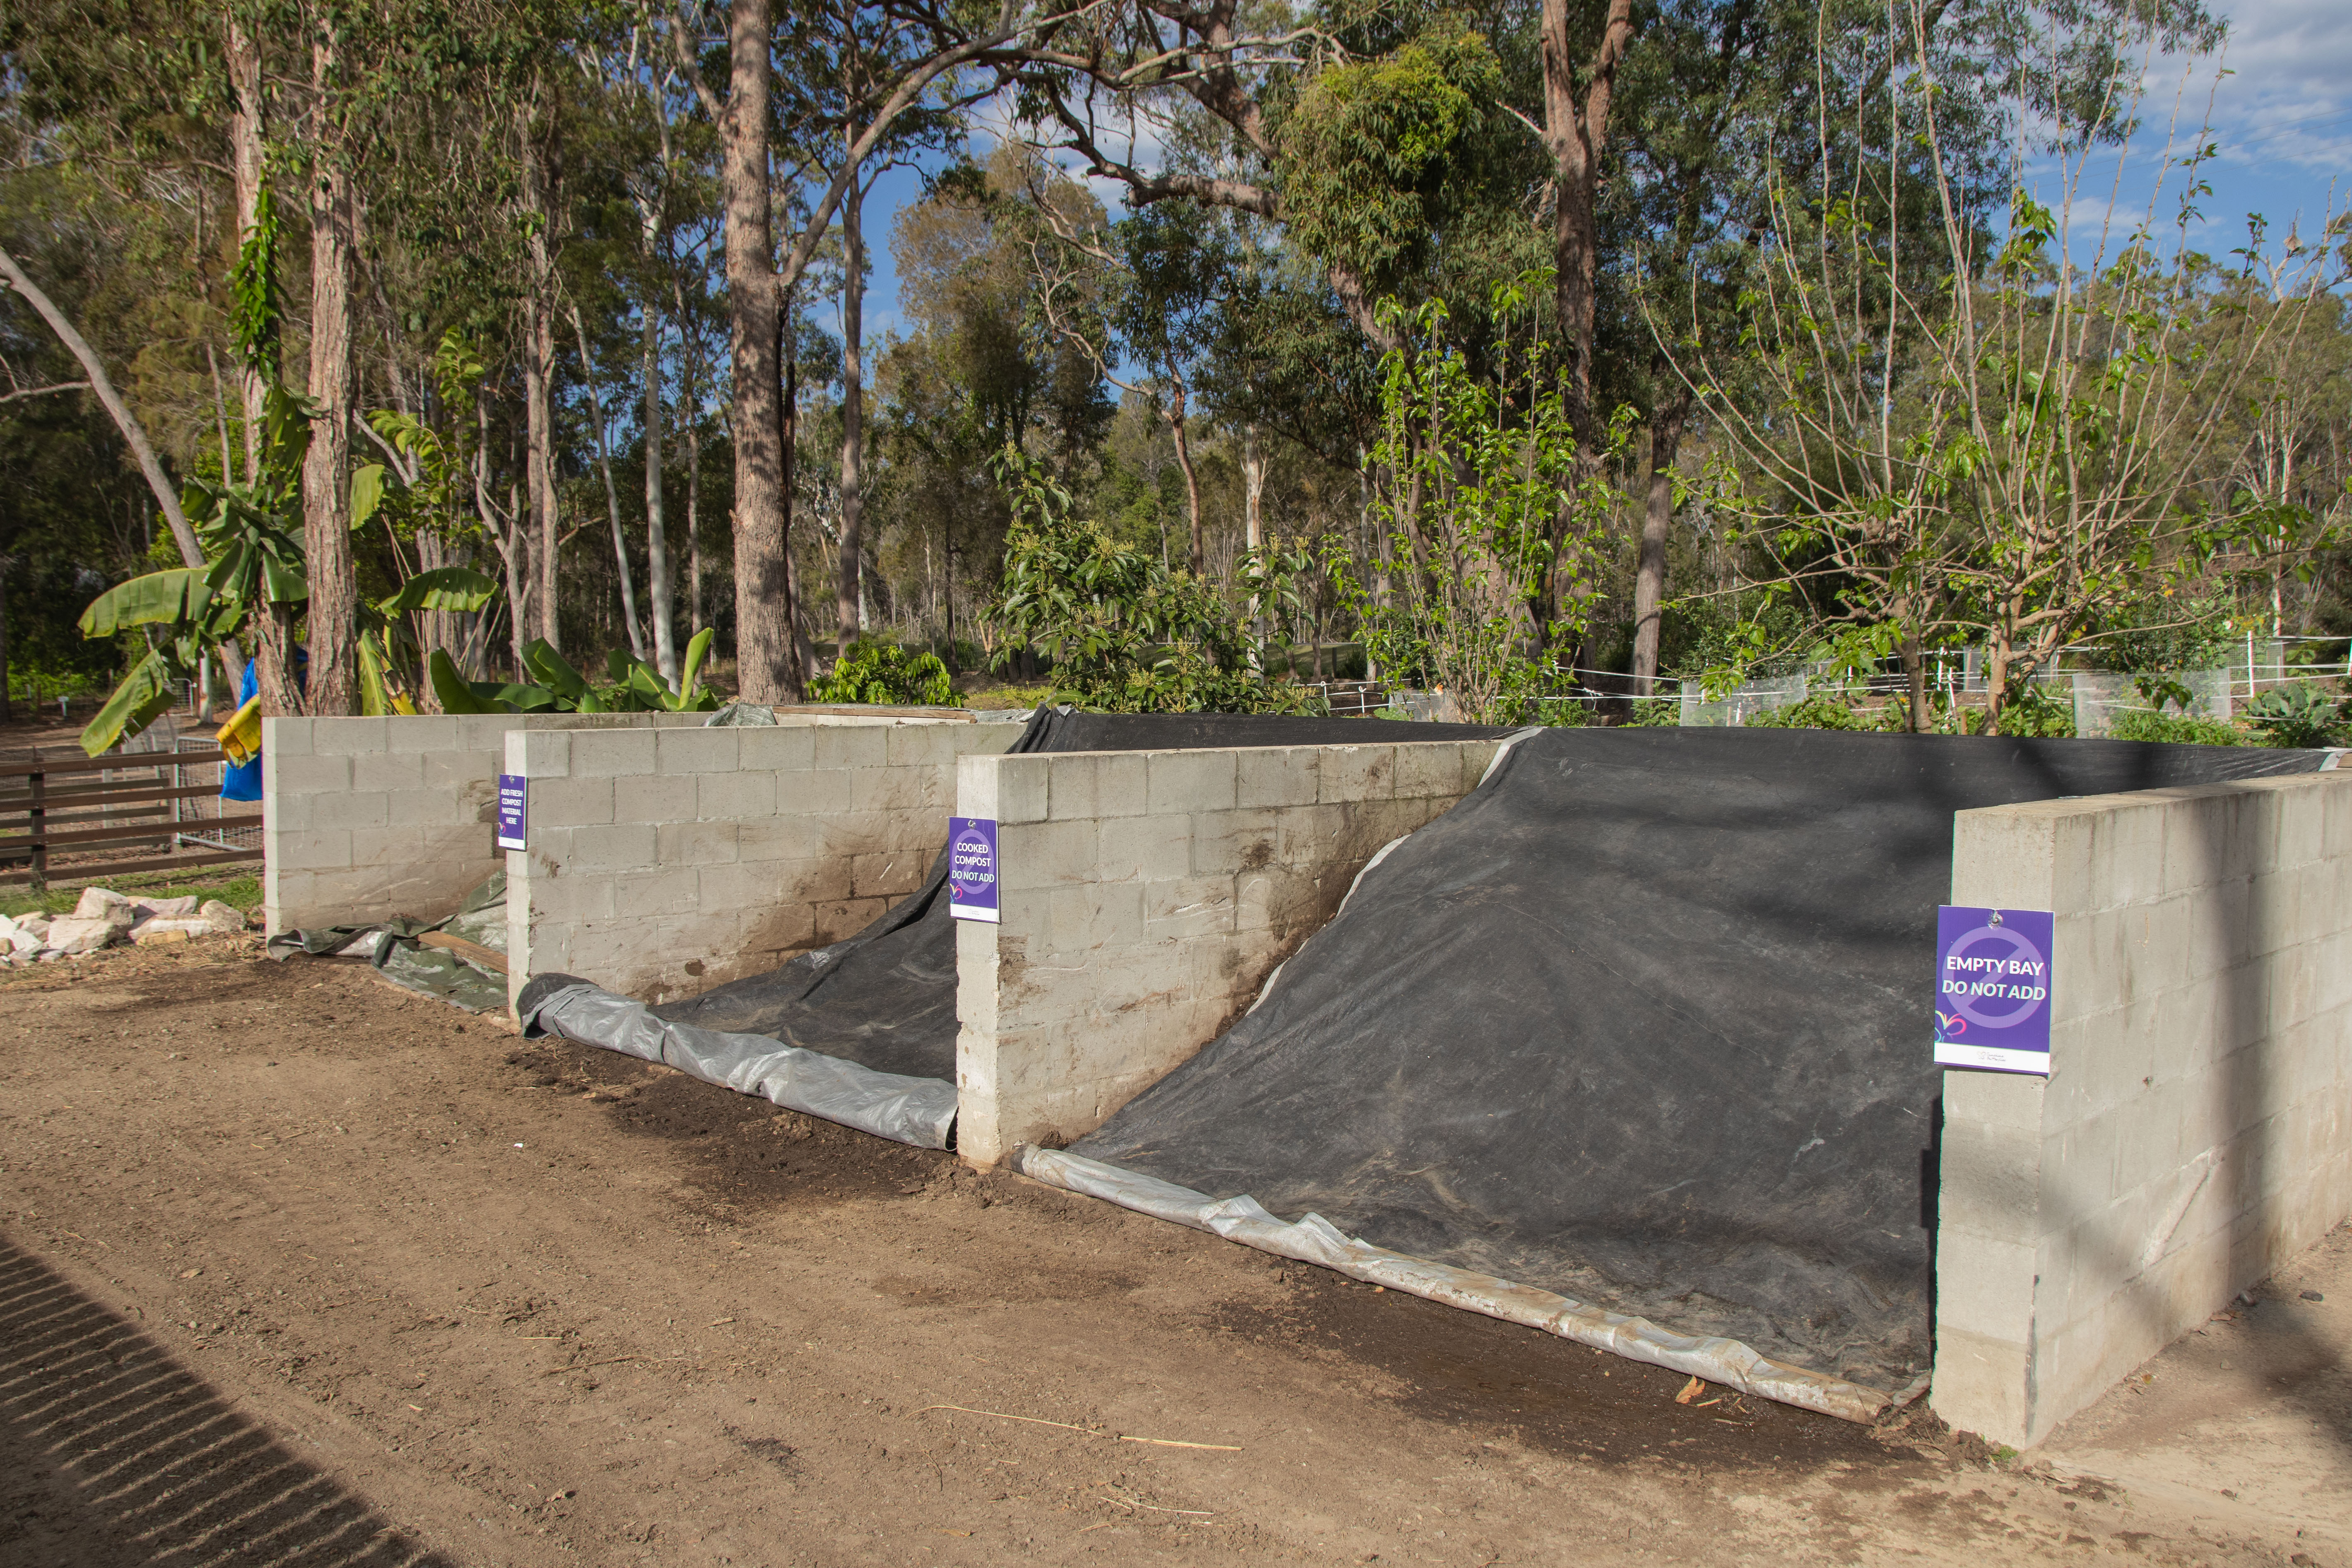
[551,666]
[689,694]
[145,692]
[367,494]
[454,588]
[375,700]
[158,598]
[457,694]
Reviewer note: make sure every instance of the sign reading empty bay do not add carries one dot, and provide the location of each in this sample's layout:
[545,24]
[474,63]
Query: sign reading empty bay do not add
[972,868]
[514,806]
[1992,988]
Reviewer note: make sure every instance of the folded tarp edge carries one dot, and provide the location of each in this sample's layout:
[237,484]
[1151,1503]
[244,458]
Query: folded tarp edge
[917,1110]
[1316,1240]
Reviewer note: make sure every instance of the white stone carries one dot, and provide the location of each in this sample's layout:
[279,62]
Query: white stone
[74,933]
[223,918]
[105,904]
[165,930]
[165,909]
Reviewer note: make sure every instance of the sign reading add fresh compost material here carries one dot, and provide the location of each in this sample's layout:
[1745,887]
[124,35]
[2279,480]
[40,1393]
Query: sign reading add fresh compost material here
[972,868]
[514,805]
[1992,988]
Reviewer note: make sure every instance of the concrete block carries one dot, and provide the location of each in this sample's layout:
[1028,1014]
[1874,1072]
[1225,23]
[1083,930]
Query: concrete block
[299,774]
[1985,1286]
[886,789]
[1082,917]
[976,986]
[2214,834]
[848,917]
[2126,855]
[1046,855]
[1359,772]
[426,808]
[789,837]
[1427,769]
[735,797]
[694,844]
[1995,1099]
[1020,786]
[1143,849]
[780,929]
[384,847]
[611,753]
[323,849]
[615,847]
[2302,823]
[890,876]
[570,802]
[740,886]
[349,808]
[539,754]
[1186,907]
[419,732]
[287,737]
[1225,842]
[853,746]
[817,792]
[786,748]
[1189,782]
[920,745]
[1991,1182]
[644,895]
[382,771]
[976,740]
[1278,775]
[696,751]
[486,731]
[2005,858]
[346,737]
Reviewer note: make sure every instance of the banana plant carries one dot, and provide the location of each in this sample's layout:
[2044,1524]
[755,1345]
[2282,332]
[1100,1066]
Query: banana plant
[636,687]
[386,648]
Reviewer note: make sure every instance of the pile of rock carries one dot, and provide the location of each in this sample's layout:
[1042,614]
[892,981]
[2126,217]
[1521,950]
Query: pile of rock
[103,918]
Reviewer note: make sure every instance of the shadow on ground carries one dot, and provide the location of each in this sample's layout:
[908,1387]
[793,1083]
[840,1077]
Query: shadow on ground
[111,1453]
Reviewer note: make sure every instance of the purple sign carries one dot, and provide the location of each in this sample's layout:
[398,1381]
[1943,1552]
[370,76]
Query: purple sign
[514,805]
[972,868]
[1992,988]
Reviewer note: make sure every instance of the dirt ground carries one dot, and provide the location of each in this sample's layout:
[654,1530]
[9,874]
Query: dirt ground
[295,1267]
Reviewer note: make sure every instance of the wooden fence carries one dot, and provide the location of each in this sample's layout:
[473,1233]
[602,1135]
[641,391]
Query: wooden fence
[84,818]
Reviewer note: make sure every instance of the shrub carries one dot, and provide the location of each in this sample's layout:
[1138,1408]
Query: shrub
[2139,724]
[2299,715]
[887,675]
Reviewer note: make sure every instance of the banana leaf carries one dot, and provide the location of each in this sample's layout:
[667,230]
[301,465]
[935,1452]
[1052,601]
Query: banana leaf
[145,692]
[367,494]
[179,595]
[456,692]
[561,679]
[455,588]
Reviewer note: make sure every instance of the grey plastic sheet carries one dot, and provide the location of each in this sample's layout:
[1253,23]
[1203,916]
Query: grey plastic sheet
[393,948]
[1314,1240]
[917,1110]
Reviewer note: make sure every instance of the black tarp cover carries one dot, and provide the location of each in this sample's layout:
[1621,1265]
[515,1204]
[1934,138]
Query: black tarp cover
[1642,1021]
[885,997]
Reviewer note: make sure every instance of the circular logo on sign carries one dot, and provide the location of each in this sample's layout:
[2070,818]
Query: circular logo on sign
[1989,1002]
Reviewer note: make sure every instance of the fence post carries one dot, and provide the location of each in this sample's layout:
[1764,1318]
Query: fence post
[36,818]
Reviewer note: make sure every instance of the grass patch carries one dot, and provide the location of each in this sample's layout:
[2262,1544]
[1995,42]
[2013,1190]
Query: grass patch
[239,890]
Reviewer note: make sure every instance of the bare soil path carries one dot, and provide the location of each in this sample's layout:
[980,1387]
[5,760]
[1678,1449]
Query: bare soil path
[297,1268]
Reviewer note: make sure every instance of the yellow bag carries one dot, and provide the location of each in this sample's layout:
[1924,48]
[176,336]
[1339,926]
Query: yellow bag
[240,738]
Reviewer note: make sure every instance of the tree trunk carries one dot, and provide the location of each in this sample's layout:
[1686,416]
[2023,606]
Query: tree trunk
[539,375]
[657,584]
[245,146]
[690,340]
[853,411]
[167,499]
[1650,573]
[612,495]
[765,651]
[7,701]
[333,611]
[1175,417]
[1576,136]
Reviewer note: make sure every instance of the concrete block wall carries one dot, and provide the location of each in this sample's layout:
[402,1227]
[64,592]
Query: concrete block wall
[663,863]
[1145,897]
[362,819]
[2196,1127]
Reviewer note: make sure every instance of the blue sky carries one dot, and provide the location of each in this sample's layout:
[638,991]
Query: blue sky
[2283,116]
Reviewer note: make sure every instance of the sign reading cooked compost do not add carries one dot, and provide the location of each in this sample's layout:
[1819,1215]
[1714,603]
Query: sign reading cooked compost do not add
[1992,988]
[514,806]
[972,868]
